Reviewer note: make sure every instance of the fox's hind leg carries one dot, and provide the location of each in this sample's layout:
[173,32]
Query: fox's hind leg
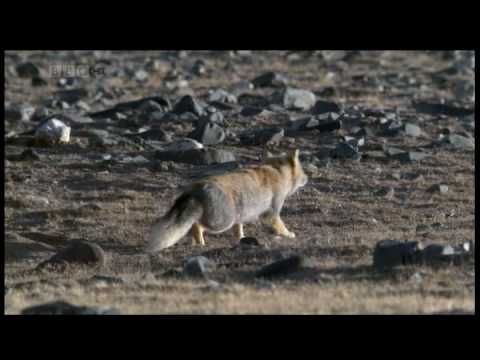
[238,230]
[280,228]
[197,234]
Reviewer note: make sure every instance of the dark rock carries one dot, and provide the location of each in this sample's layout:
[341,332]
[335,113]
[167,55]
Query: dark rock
[208,133]
[251,111]
[26,155]
[79,252]
[392,128]
[322,107]
[281,267]
[436,254]
[437,188]
[302,124]
[270,79]
[63,308]
[328,126]
[103,138]
[262,136]
[196,156]
[37,81]
[296,99]
[198,266]
[249,241]
[189,104]
[134,105]
[199,68]
[22,112]
[410,156]
[392,253]
[27,70]
[405,156]
[442,109]
[18,248]
[72,95]
[345,151]
[154,134]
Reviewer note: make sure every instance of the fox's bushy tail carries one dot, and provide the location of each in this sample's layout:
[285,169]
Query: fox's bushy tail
[175,224]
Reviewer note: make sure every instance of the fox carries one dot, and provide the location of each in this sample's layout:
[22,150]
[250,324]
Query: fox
[222,202]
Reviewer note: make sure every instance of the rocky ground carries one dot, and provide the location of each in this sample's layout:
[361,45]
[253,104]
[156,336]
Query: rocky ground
[387,139]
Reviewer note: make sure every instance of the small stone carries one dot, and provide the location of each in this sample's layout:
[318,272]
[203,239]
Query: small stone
[443,109]
[387,193]
[53,131]
[296,99]
[262,137]
[37,81]
[72,95]
[460,142]
[391,253]
[241,87]
[223,96]
[199,68]
[208,133]
[79,252]
[63,308]
[141,75]
[249,241]
[281,267]
[23,112]
[189,104]
[345,151]
[196,156]
[437,188]
[251,111]
[82,105]
[412,130]
[184,145]
[198,266]
[27,70]
[322,107]
[270,79]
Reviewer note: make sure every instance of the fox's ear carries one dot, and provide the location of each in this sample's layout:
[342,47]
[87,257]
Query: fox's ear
[295,155]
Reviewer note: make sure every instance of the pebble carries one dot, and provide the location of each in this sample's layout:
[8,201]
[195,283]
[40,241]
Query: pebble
[53,131]
[61,307]
[27,70]
[438,188]
[281,267]
[270,79]
[198,266]
[208,133]
[296,99]
[322,107]
[79,252]
[391,253]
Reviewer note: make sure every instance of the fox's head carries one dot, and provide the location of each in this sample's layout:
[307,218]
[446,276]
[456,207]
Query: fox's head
[292,161]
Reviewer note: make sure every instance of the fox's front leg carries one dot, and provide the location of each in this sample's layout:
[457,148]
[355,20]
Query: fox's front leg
[197,235]
[280,227]
[238,231]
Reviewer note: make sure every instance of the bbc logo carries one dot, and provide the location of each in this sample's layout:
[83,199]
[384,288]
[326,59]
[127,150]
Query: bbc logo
[75,71]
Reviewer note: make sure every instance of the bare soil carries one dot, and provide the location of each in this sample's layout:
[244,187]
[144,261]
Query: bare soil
[338,217]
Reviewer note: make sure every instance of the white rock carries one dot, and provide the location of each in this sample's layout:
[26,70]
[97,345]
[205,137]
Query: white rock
[183,145]
[54,130]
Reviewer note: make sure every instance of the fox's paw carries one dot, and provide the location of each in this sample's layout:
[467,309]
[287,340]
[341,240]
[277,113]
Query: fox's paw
[290,235]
